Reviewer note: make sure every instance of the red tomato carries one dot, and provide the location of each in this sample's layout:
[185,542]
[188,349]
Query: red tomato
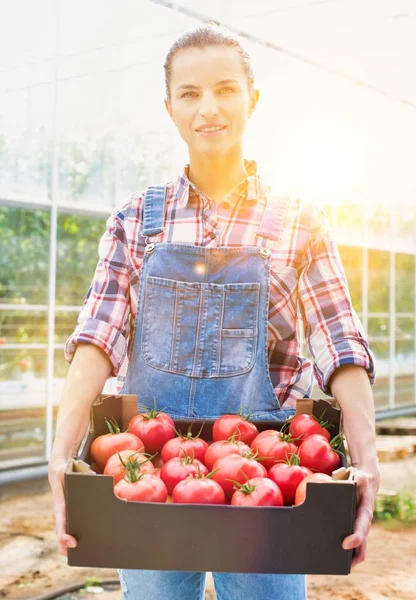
[236,468]
[229,425]
[318,454]
[154,428]
[176,469]
[106,445]
[198,491]
[258,491]
[117,470]
[263,434]
[188,444]
[223,448]
[288,477]
[148,488]
[274,446]
[300,494]
[302,426]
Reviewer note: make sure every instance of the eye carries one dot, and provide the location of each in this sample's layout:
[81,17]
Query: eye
[186,93]
[227,88]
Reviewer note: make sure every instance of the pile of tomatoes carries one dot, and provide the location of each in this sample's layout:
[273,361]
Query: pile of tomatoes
[153,462]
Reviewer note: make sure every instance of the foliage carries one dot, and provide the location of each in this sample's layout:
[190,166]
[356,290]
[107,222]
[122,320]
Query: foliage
[398,508]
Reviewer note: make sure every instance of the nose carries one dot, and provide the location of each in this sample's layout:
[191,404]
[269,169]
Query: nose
[208,107]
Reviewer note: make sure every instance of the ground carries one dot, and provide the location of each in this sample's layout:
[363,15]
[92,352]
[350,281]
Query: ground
[30,565]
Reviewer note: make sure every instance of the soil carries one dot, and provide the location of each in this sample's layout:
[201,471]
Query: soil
[31,566]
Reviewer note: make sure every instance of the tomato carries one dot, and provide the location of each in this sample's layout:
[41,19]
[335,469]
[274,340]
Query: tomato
[288,476]
[263,434]
[223,448]
[318,454]
[258,491]
[197,490]
[302,426]
[300,494]
[108,444]
[153,427]
[228,425]
[183,444]
[273,446]
[236,468]
[117,469]
[178,468]
[147,488]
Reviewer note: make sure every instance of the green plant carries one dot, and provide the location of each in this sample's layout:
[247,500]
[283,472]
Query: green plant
[399,507]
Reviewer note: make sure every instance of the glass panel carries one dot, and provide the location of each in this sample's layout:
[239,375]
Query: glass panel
[378,281]
[87,160]
[405,283]
[61,369]
[378,329]
[65,323]
[379,226]
[77,256]
[381,387]
[23,326]
[378,337]
[406,226]
[24,236]
[31,38]
[404,390]
[25,364]
[405,361]
[379,219]
[144,160]
[349,219]
[352,261]
[22,414]
[26,110]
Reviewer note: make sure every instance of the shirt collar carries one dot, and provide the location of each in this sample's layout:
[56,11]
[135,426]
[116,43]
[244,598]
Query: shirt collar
[252,188]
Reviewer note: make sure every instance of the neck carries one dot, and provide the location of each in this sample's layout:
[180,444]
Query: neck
[218,176]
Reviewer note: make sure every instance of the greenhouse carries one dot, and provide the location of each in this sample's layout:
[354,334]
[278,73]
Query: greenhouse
[81,131]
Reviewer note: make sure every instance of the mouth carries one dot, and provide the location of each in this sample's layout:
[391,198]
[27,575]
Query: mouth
[211,131]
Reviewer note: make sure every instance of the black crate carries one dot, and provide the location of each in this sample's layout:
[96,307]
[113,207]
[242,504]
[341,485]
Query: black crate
[113,533]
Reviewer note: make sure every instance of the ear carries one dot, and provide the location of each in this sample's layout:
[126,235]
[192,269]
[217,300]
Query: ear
[169,109]
[253,102]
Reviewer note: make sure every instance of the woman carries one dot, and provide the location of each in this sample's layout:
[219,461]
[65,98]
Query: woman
[196,295]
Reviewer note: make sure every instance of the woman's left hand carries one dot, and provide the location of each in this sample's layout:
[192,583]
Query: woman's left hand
[368,484]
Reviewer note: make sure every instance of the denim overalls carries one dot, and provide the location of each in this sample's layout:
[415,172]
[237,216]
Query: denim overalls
[199,349]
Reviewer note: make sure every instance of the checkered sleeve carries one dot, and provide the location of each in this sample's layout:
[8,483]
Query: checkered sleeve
[333,332]
[104,319]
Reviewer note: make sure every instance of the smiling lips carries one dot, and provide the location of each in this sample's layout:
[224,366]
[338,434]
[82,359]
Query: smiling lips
[209,130]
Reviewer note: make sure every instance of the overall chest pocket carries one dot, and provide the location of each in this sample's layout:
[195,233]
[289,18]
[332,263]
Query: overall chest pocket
[200,329]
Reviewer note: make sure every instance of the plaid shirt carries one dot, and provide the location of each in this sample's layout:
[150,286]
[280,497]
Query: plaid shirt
[307,282]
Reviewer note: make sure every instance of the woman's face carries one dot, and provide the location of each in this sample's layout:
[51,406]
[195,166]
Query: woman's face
[209,88]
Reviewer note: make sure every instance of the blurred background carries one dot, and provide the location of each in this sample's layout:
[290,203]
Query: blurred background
[83,125]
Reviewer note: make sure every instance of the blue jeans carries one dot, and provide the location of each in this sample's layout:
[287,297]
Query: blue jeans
[173,585]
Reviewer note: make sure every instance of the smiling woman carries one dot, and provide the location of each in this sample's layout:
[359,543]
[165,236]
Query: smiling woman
[206,314]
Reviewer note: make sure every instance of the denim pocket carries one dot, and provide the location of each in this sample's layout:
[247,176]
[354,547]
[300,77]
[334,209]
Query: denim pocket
[200,329]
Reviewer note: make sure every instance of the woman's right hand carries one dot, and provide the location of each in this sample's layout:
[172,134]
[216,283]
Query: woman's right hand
[56,472]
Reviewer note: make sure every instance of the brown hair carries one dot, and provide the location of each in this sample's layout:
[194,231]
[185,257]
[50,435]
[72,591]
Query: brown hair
[208,35]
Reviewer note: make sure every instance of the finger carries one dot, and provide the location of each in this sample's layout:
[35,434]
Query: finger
[359,554]
[64,539]
[361,527]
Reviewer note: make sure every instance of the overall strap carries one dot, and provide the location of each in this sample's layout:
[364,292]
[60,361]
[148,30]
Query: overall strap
[154,210]
[273,217]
